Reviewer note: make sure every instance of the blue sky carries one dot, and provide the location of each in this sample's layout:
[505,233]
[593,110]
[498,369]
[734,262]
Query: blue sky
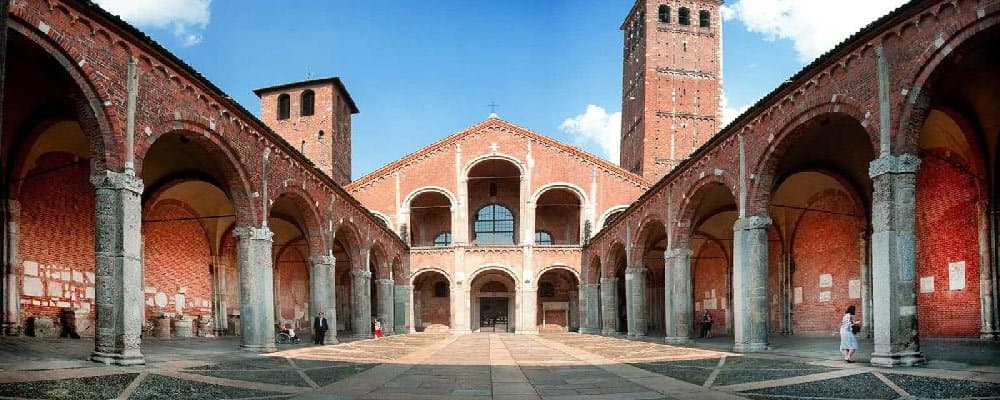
[422,70]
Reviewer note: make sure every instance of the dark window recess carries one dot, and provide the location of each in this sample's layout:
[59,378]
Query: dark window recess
[284,106]
[664,13]
[494,225]
[308,103]
[684,16]
[543,238]
[546,289]
[704,19]
[441,289]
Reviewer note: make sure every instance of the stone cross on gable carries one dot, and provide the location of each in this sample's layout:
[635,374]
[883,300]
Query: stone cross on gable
[493,106]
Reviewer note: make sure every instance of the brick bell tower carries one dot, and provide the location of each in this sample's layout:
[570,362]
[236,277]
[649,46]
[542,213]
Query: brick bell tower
[315,117]
[671,83]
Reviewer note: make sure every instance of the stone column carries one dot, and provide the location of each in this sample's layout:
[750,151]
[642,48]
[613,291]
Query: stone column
[988,328]
[253,258]
[118,268]
[609,306]
[590,304]
[573,322]
[681,312]
[894,305]
[361,313]
[403,309]
[385,303]
[866,289]
[750,298]
[635,301]
[324,294]
[527,310]
[12,292]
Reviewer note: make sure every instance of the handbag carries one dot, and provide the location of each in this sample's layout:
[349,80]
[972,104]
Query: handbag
[855,328]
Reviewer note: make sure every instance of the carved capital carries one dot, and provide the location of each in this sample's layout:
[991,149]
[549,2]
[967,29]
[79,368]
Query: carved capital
[636,270]
[361,274]
[13,206]
[892,164]
[116,181]
[673,253]
[609,281]
[324,260]
[253,233]
[752,222]
[385,281]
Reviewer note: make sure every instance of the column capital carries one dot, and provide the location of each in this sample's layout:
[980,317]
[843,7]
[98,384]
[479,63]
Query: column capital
[361,274]
[253,233]
[384,281]
[671,253]
[116,180]
[752,222]
[635,270]
[894,164]
[13,206]
[608,280]
[326,259]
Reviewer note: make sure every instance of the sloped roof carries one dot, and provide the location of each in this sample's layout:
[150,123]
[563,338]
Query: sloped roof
[474,129]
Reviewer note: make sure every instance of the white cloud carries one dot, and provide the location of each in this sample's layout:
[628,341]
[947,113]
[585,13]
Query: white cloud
[730,113]
[813,26]
[186,19]
[597,126]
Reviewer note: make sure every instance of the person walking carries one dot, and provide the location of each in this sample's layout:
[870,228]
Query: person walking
[320,327]
[378,329]
[848,342]
[706,325]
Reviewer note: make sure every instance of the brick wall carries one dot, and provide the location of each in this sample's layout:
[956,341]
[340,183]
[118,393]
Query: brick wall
[825,244]
[177,255]
[292,286]
[57,207]
[432,313]
[947,232]
[711,285]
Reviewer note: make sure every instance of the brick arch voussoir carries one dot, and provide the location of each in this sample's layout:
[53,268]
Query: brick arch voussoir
[97,120]
[692,198]
[307,205]
[237,184]
[917,106]
[352,240]
[639,245]
[377,256]
[609,260]
[765,167]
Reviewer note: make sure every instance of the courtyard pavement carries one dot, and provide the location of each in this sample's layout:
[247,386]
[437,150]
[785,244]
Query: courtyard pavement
[490,366]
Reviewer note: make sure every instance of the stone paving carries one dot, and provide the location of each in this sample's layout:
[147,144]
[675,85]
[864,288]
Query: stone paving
[476,366]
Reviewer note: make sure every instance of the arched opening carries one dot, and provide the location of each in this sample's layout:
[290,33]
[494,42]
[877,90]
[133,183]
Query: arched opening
[494,202]
[664,13]
[493,301]
[345,250]
[704,19]
[618,264]
[432,302]
[381,288]
[611,216]
[430,220]
[653,239]
[289,219]
[557,214]
[818,206]
[284,106]
[51,144]
[684,16]
[711,246]
[307,103]
[187,213]
[957,195]
[558,301]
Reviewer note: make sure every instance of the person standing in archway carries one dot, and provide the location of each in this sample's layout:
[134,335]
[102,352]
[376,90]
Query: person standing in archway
[848,342]
[320,326]
[706,325]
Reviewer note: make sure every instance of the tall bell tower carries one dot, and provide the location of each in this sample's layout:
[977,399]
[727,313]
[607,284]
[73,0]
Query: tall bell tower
[671,83]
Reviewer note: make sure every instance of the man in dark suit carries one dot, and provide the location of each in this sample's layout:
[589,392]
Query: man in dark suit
[319,329]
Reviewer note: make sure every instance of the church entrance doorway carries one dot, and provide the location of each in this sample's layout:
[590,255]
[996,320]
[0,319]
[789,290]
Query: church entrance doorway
[493,314]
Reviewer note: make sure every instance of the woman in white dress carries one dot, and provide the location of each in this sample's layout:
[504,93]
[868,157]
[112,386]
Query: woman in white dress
[848,342]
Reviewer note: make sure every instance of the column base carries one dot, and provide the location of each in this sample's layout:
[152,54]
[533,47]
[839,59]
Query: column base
[635,335]
[612,333]
[989,336]
[586,331]
[330,338]
[257,348]
[679,340]
[13,330]
[525,332]
[118,359]
[905,359]
[751,347]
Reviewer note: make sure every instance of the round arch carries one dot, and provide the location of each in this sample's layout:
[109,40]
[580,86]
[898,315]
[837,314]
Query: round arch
[377,258]
[495,267]
[429,189]
[305,203]
[493,156]
[382,218]
[560,185]
[555,267]
[608,213]
[425,270]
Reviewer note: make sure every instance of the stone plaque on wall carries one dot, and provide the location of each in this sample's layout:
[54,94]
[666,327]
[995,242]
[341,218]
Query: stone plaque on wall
[798,295]
[825,296]
[927,284]
[854,288]
[956,275]
[710,304]
[825,280]
[697,306]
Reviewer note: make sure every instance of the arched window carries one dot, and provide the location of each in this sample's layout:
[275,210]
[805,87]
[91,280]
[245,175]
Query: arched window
[664,13]
[308,103]
[684,16]
[284,106]
[443,239]
[494,225]
[704,19]
[543,238]
[441,289]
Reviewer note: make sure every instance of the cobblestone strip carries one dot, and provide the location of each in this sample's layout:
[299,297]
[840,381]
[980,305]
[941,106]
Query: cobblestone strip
[742,387]
[892,385]
[508,380]
[715,372]
[658,383]
[268,387]
[132,387]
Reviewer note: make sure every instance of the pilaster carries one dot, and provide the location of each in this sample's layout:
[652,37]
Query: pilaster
[253,258]
[750,298]
[893,240]
[118,268]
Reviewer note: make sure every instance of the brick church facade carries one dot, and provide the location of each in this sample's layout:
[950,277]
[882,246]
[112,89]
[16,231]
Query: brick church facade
[139,199]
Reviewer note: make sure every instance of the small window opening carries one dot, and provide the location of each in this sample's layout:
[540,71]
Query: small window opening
[704,19]
[443,239]
[308,103]
[543,238]
[284,106]
[320,135]
[664,13]
[684,16]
